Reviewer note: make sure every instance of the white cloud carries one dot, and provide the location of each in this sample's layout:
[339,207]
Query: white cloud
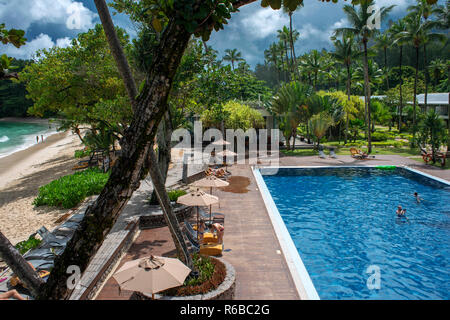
[20,14]
[27,51]
[264,22]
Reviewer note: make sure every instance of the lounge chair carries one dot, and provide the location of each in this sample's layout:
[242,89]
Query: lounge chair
[216,216]
[322,154]
[50,240]
[332,154]
[358,154]
[208,237]
[210,249]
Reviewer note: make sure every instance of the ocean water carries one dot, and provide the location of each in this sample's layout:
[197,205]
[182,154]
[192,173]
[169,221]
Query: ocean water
[353,245]
[15,136]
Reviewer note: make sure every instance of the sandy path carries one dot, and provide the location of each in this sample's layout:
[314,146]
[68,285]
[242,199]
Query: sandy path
[21,175]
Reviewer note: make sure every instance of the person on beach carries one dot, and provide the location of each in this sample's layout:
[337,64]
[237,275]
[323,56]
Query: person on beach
[11,294]
[37,139]
[42,138]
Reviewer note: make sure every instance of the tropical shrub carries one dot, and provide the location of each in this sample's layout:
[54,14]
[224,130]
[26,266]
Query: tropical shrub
[70,190]
[380,136]
[30,243]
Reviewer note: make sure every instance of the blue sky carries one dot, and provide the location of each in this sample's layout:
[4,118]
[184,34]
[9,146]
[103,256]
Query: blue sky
[56,22]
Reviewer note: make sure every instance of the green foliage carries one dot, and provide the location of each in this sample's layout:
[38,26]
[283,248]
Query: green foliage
[80,83]
[432,132]
[82,153]
[379,136]
[13,102]
[204,267]
[70,190]
[175,194]
[30,243]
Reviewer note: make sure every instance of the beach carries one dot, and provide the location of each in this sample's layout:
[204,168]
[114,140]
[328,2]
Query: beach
[21,175]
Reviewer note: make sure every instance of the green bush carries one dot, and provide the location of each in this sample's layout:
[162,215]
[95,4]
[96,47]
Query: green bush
[26,245]
[68,191]
[175,194]
[205,269]
[82,153]
[380,136]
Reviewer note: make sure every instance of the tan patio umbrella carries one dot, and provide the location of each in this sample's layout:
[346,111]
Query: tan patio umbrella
[226,153]
[198,198]
[211,182]
[151,274]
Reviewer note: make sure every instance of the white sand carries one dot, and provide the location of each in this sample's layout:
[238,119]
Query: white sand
[21,175]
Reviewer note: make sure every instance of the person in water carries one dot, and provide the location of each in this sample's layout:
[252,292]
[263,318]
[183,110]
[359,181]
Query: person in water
[400,212]
[416,195]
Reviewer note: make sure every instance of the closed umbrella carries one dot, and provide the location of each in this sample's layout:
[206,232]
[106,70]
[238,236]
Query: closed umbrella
[198,198]
[211,182]
[151,274]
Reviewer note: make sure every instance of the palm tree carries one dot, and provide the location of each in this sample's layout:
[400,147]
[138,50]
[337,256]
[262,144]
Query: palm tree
[272,56]
[284,37]
[346,52]
[437,66]
[384,41]
[359,26]
[293,34]
[290,104]
[396,29]
[442,14]
[232,55]
[417,33]
[424,10]
[312,63]
[319,125]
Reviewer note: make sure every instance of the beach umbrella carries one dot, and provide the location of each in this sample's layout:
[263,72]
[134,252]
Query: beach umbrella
[226,153]
[151,274]
[198,198]
[221,142]
[210,182]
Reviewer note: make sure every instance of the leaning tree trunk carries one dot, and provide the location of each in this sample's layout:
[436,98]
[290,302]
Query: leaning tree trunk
[131,167]
[349,85]
[291,39]
[367,85]
[20,266]
[164,136]
[386,68]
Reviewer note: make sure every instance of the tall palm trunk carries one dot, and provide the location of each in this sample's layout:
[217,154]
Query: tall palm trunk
[386,68]
[368,94]
[349,85]
[291,39]
[401,93]
[415,93]
[426,74]
[136,161]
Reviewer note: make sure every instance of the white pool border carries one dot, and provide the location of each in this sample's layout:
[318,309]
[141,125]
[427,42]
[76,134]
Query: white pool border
[300,275]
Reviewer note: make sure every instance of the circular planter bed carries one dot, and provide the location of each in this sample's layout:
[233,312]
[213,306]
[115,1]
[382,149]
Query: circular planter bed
[221,286]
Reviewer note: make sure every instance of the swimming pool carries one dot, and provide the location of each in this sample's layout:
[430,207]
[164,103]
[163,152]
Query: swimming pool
[342,221]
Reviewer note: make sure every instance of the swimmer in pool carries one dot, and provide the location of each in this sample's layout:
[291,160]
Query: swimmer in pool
[400,212]
[416,195]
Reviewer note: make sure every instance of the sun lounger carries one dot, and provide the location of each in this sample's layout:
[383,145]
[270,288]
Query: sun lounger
[43,253]
[216,216]
[50,240]
[332,154]
[322,154]
[208,237]
[210,249]
[358,154]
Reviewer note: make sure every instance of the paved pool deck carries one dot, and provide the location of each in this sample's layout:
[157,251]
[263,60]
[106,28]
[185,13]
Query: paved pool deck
[250,242]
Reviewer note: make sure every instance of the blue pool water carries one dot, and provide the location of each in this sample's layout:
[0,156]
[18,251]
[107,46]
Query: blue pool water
[343,221]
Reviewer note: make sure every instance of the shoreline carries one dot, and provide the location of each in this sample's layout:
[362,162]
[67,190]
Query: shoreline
[21,175]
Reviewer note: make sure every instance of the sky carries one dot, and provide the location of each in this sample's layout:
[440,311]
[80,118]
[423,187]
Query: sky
[50,23]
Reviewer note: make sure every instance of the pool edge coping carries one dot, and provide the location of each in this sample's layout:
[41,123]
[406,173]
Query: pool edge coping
[302,281]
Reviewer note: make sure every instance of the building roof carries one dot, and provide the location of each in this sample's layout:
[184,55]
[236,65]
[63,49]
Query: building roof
[434,98]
